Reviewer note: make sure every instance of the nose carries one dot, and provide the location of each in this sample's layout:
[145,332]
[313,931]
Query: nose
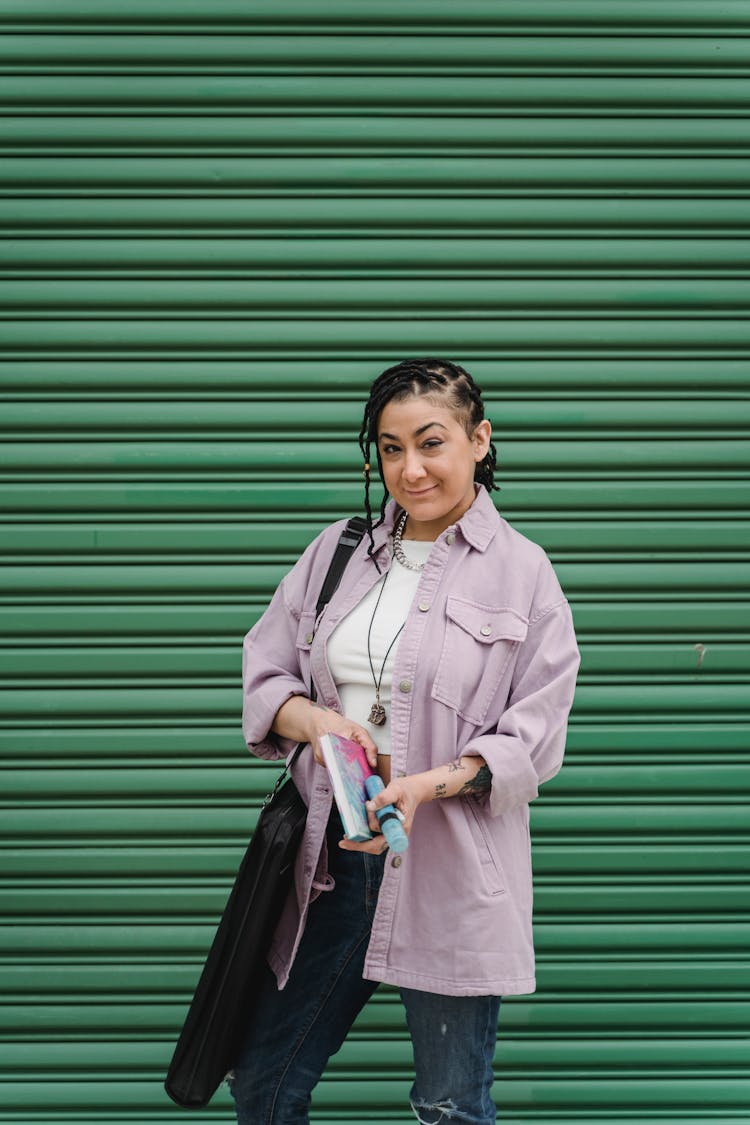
[413,467]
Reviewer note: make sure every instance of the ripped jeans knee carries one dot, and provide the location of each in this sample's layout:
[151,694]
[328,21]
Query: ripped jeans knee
[438,1113]
[453,1041]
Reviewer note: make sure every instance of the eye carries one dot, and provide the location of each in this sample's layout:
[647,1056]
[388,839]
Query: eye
[390,449]
[433,443]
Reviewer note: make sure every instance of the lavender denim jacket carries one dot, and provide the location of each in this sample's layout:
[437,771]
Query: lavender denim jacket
[486,665]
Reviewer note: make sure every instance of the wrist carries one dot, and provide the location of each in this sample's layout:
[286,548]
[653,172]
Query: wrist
[314,719]
[424,785]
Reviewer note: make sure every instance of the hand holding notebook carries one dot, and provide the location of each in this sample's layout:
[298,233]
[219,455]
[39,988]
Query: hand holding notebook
[353,781]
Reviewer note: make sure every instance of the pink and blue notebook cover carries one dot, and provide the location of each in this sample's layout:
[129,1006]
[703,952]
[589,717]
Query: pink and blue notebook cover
[348,767]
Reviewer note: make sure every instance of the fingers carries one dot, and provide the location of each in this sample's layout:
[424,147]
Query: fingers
[363,738]
[372,820]
[328,720]
[393,794]
[376,846]
[398,794]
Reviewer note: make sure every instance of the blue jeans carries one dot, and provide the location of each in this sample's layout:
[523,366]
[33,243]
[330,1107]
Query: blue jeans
[295,1031]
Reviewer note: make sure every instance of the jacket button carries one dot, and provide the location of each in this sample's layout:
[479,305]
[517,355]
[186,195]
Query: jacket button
[405,686]
[424,605]
[309,639]
[449,538]
[396,861]
[485,630]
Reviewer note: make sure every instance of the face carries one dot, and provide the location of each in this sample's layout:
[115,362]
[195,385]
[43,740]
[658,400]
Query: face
[428,462]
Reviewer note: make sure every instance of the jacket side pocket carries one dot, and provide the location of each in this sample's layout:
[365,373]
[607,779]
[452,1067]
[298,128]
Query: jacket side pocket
[488,859]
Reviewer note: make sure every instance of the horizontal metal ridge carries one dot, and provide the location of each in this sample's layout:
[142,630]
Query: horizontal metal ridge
[526,500]
[554,96]
[217,744]
[154,664]
[563,857]
[637,542]
[255,337]
[534,216]
[710,1055]
[663,578]
[339,456]
[347,175]
[99,942]
[391,1116]
[309,132]
[176,900]
[85,16]
[500,374]
[647,697]
[147,279]
[229,820]
[450,54]
[557,1092]
[619,780]
[264,414]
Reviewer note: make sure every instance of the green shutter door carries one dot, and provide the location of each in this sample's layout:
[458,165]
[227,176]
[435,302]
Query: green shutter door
[219,221]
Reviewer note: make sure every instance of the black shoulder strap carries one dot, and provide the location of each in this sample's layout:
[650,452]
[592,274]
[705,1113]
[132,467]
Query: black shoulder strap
[350,537]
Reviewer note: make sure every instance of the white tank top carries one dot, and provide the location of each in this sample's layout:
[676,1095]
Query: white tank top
[347,645]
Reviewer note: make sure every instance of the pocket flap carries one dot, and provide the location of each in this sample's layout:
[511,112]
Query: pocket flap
[485,623]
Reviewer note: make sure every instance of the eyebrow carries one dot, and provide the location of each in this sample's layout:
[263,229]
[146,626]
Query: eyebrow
[421,430]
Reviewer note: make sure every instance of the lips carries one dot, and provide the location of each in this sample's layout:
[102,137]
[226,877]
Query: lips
[422,492]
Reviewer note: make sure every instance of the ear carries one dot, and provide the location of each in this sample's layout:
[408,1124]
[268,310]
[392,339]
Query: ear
[482,435]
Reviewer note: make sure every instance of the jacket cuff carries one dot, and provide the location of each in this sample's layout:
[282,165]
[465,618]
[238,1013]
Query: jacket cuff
[257,721]
[514,779]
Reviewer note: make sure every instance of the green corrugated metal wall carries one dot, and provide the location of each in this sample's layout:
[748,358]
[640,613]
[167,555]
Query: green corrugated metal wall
[219,221]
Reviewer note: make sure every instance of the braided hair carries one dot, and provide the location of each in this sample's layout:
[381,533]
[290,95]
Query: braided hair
[430,376]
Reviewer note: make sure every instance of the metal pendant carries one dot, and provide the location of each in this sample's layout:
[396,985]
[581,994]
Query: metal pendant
[377,714]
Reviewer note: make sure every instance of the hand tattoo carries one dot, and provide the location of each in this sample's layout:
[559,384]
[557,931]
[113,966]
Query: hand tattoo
[478,785]
[454,767]
[440,789]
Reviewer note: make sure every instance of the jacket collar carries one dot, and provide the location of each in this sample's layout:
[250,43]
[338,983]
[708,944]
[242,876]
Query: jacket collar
[478,524]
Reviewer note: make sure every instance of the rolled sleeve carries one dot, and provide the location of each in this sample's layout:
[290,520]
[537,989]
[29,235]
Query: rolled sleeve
[527,747]
[270,676]
[271,669]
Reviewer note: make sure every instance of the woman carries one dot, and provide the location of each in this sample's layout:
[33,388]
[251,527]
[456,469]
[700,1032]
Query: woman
[448,652]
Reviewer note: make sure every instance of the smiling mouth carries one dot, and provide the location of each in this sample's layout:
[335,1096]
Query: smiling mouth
[422,491]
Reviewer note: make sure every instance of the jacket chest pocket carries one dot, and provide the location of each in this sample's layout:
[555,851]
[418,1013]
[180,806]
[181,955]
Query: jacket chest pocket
[479,642]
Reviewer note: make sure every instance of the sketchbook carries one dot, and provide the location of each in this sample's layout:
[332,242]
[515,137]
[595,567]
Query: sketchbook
[348,767]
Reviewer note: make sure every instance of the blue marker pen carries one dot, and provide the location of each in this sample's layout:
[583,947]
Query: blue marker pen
[388,818]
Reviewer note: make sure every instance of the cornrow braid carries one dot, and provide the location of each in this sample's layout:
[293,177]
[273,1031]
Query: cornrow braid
[416,377]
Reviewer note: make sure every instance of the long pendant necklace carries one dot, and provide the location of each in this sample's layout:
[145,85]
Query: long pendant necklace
[377,711]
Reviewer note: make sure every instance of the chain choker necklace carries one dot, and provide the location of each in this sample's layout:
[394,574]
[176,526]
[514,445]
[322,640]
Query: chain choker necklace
[398,550]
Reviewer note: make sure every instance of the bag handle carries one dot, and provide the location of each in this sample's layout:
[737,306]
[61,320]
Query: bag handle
[350,538]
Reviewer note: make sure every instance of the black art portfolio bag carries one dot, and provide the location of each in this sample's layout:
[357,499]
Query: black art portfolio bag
[218,1014]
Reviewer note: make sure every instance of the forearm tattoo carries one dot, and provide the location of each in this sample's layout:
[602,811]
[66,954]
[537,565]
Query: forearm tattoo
[478,784]
[475,787]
